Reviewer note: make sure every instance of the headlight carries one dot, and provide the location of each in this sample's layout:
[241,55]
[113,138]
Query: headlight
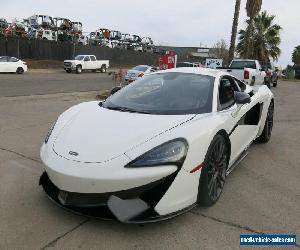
[49,132]
[170,153]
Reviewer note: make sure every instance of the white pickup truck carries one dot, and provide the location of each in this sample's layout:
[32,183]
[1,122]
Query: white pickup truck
[85,62]
[247,70]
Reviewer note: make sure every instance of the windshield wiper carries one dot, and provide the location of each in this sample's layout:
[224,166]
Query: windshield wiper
[125,109]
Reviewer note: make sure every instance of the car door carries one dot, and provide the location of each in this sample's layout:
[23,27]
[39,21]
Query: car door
[86,63]
[3,64]
[12,64]
[93,62]
[240,120]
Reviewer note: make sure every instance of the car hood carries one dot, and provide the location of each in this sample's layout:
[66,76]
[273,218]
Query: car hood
[97,134]
[72,61]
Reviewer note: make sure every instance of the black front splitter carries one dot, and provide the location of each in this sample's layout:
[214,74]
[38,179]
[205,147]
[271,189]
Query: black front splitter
[112,209]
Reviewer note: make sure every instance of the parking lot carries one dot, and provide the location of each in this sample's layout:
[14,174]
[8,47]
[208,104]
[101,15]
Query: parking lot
[261,196]
[40,82]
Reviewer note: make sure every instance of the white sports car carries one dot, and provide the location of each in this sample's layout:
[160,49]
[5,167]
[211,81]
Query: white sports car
[156,148]
[12,65]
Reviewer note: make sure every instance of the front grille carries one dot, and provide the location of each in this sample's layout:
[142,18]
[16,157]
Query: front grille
[67,64]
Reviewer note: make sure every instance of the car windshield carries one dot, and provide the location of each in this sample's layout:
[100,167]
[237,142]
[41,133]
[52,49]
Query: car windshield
[169,93]
[140,68]
[79,58]
[243,64]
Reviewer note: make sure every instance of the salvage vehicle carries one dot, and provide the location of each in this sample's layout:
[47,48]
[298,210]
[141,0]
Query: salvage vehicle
[147,44]
[3,26]
[43,34]
[85,62]
[10,64]
[247,70]
[156,148]
[138,72]
[40,21]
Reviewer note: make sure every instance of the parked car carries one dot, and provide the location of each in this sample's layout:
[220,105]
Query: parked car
[271,73]
[85,62]
[10,64]
[187,64]
[247,70]
[297,72]
[139,71]
[157,148]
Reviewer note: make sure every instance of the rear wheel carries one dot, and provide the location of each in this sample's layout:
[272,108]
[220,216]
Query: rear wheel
[20,70]
[252,81]
[268,82]
[275,83]
[103,69]
[78,69]
[213,174]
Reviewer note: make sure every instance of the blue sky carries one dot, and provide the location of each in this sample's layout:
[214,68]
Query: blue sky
[168,22]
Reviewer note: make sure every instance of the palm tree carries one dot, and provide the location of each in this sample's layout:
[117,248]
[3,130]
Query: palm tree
[234,29]
[296,55]
[265,39]
[253,7]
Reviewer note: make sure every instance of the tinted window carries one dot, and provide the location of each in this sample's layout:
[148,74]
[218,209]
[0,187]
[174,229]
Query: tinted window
[93,58]
[243,64]
[13,59]
[140,68]
[87,59]
[166,93]
[3,58]
[79,58]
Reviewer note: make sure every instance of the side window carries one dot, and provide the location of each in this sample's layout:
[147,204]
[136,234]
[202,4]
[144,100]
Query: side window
[241,85]
[93,58]
[87,59]
[226,93]
[12,59]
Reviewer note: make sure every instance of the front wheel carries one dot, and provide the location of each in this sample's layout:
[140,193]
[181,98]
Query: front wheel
[275,83]
[213,174]
[78,69]
[267,131]
[20,71]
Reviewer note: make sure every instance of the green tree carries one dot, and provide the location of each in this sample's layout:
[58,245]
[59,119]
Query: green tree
[234,29]
[253,7]
[296,55]
[265,37]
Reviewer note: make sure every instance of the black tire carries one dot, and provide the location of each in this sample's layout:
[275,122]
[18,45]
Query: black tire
[267,131]
[252,81]
[20,70]
[103,69]
[275,83]
[68,70]
[268,82]
[78,69]
[213,174]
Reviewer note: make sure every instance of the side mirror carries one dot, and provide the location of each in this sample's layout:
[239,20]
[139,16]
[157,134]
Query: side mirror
[115,90]
[242,98]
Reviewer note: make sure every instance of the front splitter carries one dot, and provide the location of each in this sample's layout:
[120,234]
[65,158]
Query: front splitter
[126,206]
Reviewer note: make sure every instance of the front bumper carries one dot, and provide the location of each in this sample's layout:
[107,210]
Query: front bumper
[135,205]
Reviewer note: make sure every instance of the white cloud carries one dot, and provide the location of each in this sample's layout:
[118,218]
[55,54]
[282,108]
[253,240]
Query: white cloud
[174,22]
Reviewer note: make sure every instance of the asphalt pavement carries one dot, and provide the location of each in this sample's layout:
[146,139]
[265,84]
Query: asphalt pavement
[41,82]
[262,195]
